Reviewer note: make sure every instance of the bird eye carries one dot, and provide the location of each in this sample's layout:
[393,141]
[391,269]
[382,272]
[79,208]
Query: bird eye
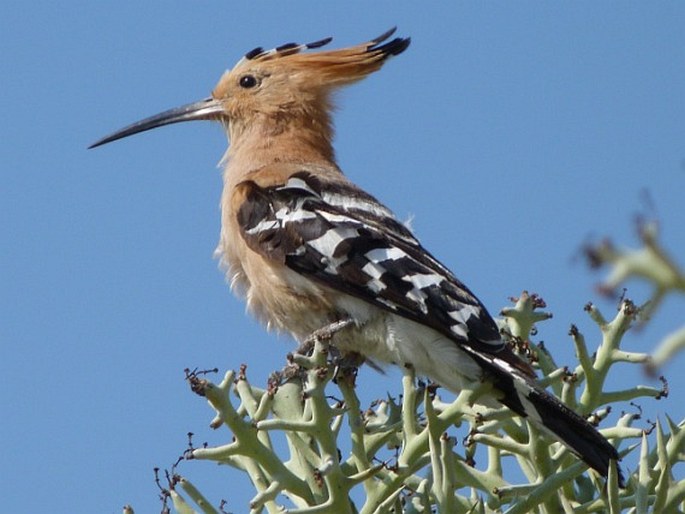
[248,81]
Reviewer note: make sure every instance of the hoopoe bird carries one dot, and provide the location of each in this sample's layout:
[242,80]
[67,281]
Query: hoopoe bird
[308,248]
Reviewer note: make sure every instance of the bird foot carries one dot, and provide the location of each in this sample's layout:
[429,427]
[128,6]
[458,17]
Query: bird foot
[325,333]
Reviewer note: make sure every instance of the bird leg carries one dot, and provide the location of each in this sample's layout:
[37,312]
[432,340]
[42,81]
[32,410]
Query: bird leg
[344,363]
[325,333]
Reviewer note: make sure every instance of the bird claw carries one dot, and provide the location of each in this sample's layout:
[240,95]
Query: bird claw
[325,333]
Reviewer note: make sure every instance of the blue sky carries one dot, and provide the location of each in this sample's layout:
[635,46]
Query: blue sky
[512,133]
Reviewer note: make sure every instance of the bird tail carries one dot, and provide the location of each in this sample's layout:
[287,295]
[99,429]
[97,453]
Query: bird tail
[522,395]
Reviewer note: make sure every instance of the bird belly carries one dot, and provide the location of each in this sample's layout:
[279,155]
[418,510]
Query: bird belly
[384,337]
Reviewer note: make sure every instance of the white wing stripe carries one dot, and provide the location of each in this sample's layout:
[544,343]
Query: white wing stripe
[385,254]
[298,183]
[375,272]
[421,280]
[264,226]
[349,202]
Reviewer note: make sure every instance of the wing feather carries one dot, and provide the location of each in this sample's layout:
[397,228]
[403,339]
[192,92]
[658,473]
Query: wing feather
[345,239]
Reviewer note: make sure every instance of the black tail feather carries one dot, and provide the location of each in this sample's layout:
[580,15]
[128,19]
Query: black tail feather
[575,432]
[522,395]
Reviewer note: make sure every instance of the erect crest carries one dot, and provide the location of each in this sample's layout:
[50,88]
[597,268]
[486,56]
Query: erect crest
[337,66]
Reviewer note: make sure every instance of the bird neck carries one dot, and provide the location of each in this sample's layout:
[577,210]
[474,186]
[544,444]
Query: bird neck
[265,140]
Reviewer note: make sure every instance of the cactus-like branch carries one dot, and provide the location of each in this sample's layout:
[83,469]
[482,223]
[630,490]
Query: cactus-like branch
[422,453]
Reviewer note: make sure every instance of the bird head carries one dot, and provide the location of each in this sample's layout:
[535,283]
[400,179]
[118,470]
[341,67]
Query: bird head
[278,85]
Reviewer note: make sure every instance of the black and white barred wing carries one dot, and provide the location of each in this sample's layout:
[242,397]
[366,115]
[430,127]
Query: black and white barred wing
[344,238]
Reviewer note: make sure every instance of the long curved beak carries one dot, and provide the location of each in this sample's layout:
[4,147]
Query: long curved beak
[207,109]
